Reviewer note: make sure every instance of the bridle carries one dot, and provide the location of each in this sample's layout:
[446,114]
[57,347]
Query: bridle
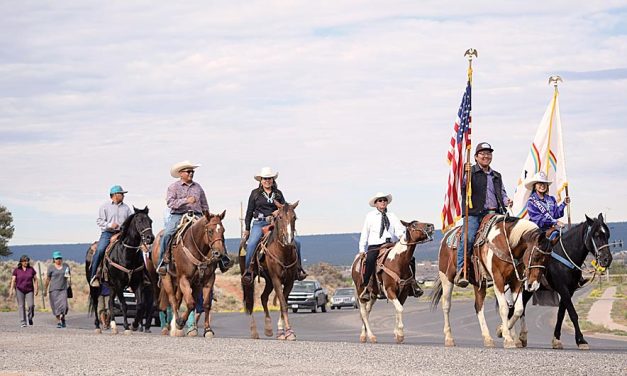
[214,252]
[588,238]
[427,233]
[527,266]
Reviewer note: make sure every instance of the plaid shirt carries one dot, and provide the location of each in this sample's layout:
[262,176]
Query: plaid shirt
[178,192]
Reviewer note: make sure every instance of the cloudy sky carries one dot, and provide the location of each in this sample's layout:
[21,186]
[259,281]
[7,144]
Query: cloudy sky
[343,98]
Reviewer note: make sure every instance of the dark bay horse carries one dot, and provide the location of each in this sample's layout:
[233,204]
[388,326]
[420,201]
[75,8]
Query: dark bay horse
[194,260]
[124,264]
[396,276]
[515,252]
[279,269]
[564,271]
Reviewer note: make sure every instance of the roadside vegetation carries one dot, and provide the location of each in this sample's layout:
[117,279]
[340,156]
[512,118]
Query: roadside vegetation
[619,308]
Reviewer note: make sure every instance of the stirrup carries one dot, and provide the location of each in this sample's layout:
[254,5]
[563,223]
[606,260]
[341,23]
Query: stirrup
[460,281]
[301,274]
[248,278]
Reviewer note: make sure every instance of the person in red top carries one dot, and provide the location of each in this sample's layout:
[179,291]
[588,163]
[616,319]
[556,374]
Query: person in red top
[24,286]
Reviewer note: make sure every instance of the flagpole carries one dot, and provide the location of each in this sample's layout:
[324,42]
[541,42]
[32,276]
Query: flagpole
[468,54]
[554,80]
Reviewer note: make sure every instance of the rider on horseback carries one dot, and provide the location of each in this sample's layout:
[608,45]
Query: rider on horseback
[110,217]
[183,196]
[488,196]
[542,207]
[381,227]
[261,205]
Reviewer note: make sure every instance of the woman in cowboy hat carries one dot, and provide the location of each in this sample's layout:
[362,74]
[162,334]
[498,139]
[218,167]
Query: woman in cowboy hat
[542,208]
[380,227]
[184,195]
[261,205]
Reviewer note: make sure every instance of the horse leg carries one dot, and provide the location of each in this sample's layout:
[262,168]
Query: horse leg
[398,329]
[364,312]
[574,318]
[556,343]
[519,309]
[480,311]
[206,305]
[186,289]
[140,309]
[508,341]
[267,324]
[249,305]
[447,292]
[283,319]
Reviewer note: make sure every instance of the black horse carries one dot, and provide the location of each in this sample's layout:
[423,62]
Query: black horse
[125,267]
[564,272]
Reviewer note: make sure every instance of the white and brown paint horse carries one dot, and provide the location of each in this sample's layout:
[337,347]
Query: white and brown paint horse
[396,276]
[515,252]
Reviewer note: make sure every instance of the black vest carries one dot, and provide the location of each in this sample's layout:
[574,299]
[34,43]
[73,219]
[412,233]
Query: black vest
[479,182]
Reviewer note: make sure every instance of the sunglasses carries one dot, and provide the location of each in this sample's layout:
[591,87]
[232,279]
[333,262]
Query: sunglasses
[267,178]
[59,258]
[188,171]
[382,200]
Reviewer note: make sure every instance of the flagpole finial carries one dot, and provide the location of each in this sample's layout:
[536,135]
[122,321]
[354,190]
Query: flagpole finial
[554,80]
[470,52]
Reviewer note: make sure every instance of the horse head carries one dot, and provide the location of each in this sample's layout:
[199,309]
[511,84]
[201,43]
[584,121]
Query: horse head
[140,223]
[418,232]
[596,241]
[285,222]
[214,234]
[530,244]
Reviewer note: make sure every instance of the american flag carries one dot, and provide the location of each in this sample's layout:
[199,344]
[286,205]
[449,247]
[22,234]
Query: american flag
[460,142]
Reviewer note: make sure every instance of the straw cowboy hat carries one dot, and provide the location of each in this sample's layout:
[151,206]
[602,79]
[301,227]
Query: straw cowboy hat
[266,172]
[380,195]
[539,177]
[177,167]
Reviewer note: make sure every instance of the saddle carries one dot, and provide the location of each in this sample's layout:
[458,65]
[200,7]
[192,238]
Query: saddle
[383,252]
[103,270]
[185,224]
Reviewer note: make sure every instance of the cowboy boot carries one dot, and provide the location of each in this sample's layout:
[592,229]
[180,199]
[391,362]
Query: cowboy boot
[302,274]
[460,281]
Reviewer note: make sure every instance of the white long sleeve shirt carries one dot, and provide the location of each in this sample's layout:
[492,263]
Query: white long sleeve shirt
[110,213]
[372,227]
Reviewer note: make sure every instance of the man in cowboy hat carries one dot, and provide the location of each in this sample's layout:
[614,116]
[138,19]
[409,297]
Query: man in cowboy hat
[488,196]
[380,227]
[111,216]
[184,195]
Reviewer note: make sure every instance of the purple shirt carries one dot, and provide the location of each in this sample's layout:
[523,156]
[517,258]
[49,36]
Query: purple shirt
[490,196]
[24,279]
[177,198]
[544,212]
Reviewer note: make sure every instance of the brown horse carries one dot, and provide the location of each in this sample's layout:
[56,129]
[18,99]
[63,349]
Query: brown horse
[396,276]
[278,268]
[194,262]
[515,251]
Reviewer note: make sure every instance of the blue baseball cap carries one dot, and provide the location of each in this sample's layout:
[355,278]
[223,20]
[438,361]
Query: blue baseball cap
[56,255]
[117,189]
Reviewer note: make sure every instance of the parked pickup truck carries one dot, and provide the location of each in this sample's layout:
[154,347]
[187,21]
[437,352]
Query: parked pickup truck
[308,294]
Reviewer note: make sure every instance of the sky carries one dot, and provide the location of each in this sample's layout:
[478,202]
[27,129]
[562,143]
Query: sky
[342,98]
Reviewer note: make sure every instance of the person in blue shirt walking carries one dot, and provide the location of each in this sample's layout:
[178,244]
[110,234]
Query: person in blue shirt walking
[542,208]
[111,216]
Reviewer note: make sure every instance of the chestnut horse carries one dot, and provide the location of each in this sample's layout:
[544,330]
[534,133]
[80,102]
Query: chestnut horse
[193,269]
[278,268]
[396,276]
[515,252]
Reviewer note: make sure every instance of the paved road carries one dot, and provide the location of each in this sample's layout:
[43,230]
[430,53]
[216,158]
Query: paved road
[422,327]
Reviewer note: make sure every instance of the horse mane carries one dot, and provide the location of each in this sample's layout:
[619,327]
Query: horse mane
[521,228]
[126,225]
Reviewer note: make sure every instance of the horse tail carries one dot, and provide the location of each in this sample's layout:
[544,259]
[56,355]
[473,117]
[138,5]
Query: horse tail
[94,293]
[436,294]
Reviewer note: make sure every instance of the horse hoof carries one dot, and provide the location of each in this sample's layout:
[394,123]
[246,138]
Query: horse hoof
[373,339]
[362,339]
[449,342]
[192,333]
[164,331]
[114,330]
[179,333]
[147,331]
[209,334]
[488,342]
[268,332]
[499,331]
[280,335]
[509,344]
[98,331]
[127,332]
[134,328]
[523,342]
[583,346]
[519,344]
[290,337]
[400,338]
[557,344]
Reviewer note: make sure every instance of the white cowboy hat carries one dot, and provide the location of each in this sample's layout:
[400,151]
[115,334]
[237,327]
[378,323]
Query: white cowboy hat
[380,195]
[177,167]
[539,177]
[266,172]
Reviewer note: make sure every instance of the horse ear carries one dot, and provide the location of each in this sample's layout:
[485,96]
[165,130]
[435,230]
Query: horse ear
[146,209]
[135,209]
[207,215]
[278,204]
[600,217]
[589,220]
[223,214]
[294,205]
[406,224]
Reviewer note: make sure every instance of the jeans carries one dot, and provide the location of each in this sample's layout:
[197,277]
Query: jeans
[168,232]
[253,240]
[23,300]
[473,222]
[105,239]
[371,262]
